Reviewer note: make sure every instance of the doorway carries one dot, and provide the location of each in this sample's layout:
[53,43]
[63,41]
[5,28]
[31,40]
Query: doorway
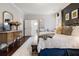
[30,27]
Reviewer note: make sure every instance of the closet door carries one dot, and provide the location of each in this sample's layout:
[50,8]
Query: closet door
[27,28]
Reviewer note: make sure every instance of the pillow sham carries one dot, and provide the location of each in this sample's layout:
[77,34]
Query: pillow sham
[66,30]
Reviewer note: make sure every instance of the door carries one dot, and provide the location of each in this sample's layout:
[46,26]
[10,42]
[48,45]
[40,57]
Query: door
[31,27]
[34,31]
[27,30]
[34,27]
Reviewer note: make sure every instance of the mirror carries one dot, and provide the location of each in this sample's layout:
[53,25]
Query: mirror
[7,16]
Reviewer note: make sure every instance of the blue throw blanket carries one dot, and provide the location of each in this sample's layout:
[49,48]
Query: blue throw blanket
[59,52]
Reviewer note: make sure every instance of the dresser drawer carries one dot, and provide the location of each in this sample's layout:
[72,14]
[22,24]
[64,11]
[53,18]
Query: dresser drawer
[9,37]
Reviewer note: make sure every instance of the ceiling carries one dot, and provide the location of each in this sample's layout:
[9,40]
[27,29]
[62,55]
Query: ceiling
[41,8]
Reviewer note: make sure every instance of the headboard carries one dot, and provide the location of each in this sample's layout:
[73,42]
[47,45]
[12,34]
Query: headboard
[69,9]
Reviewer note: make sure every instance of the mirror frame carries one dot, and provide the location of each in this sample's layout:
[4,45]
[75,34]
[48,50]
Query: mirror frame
[7,12]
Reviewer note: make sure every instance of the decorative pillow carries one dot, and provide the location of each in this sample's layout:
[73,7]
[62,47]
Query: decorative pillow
[58,30]
[66,30]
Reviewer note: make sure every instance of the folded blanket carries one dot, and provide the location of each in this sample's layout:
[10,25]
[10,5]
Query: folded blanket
[59,52]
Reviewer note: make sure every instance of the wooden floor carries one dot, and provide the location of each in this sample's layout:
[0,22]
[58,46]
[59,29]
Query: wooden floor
[13,47]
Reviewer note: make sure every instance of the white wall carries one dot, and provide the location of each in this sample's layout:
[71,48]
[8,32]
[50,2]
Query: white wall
[50,22]
[47,21]
[59,19]
[17,15]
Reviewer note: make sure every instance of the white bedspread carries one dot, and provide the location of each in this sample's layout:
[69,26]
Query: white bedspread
[59,41]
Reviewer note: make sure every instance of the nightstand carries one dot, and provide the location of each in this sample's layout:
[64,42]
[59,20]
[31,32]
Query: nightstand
[34,50]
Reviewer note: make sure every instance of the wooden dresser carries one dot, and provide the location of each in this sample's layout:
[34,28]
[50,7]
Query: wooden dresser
[9,36]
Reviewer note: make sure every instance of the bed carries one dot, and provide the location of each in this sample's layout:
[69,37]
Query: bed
[60,45]
[55,47]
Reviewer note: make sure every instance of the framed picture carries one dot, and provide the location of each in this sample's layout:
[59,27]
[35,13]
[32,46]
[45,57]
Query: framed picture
[67,16]
[74,14]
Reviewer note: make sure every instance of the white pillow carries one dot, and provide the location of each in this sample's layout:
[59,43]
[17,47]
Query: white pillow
[75,31]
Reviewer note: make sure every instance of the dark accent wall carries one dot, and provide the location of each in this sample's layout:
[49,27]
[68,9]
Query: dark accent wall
[69,9]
